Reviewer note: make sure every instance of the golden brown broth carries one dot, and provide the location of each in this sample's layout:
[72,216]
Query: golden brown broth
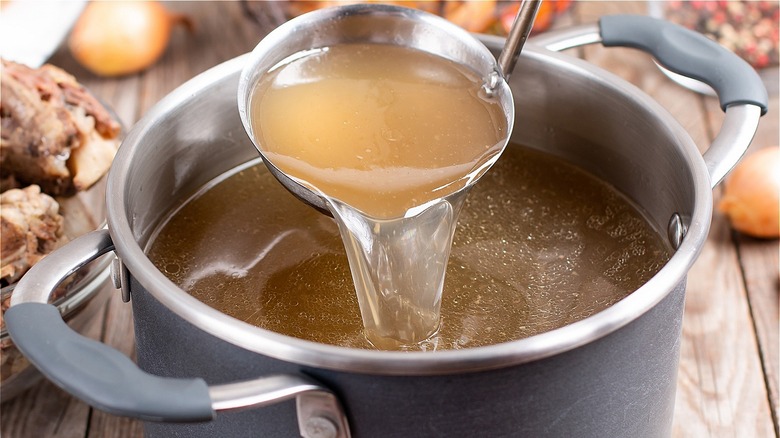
[540,244]
[381,128]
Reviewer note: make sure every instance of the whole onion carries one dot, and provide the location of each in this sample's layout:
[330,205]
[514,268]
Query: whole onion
[751,197]
[118,38]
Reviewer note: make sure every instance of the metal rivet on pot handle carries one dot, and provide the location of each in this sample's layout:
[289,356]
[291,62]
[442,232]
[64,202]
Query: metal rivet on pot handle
[741,92]
[110,381]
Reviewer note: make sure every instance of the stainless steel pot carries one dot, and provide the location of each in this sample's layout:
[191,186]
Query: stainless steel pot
[612,374]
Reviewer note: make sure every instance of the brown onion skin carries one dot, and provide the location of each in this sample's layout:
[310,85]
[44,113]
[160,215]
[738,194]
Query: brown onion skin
[751,195]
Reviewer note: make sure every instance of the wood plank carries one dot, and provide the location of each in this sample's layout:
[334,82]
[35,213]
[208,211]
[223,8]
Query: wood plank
[759,262]
[44,411]
[222,31]
[591,11]
[720,384]
[759,258]
[720,392]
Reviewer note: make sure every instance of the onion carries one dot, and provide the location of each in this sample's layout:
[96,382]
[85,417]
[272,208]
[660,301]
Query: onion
[119,38]
[751,197]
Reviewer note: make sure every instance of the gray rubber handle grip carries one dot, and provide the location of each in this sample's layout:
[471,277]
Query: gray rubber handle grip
[690,54]
[100,375]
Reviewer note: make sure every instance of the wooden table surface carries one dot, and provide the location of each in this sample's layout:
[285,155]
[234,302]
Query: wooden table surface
[728,375]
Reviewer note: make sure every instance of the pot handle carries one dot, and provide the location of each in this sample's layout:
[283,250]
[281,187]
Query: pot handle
[108,380]
[741,93]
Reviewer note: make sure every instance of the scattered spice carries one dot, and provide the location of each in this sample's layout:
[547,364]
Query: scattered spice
[747,28]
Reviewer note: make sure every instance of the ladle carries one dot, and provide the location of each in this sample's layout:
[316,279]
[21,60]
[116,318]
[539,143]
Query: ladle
[383,24]
[397,262]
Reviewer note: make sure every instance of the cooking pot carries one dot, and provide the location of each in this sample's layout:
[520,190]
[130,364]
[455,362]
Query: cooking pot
[612,374]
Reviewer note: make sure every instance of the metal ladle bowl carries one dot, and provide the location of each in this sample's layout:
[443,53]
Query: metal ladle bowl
[379,24]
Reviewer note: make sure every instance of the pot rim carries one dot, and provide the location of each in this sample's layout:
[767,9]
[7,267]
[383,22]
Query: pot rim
[308,353]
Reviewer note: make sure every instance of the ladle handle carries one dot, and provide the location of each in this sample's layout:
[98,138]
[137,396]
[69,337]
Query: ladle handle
[518,34]
[741,92]
[108,380]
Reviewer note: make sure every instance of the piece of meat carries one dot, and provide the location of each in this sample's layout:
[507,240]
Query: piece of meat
[77,96]
[36,137]
[8,182]
[49,125]
[30,227]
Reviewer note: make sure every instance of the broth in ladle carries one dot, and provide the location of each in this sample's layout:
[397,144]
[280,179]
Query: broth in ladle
[540,244]
[380,128]
[389,136]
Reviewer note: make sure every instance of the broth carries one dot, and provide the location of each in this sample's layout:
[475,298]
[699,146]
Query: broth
[540,244]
